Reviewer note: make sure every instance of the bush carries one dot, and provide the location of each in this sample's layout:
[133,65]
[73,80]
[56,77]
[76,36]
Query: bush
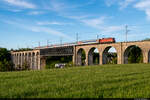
[25,66]
[18,68]
[5,60]
[6,65]
[51,65]
[2,67]
[70,64]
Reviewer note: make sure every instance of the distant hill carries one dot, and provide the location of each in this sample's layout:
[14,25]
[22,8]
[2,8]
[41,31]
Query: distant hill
[147,39]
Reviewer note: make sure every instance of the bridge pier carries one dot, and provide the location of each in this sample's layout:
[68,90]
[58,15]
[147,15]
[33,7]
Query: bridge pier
[31,64]
[145,56]
[42,62]
[120,54]
[86,59]
[100,58]
[38,61]
[74,60]
[90,59]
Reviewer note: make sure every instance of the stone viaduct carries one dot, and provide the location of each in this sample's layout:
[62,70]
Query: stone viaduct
[31,57]
[37,57]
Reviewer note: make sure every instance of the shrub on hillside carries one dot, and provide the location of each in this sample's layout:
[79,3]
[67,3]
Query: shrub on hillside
[51,65]
[5,60]
[6,66]
[25,66]
[70,64]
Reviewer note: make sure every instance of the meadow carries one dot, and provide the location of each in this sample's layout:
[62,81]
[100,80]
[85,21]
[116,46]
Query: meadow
[107,81]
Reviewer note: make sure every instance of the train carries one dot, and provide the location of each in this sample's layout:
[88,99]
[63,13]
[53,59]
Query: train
[107,40]
[98,41]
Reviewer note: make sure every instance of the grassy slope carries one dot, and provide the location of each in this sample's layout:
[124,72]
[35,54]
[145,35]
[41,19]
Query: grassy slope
[114,81]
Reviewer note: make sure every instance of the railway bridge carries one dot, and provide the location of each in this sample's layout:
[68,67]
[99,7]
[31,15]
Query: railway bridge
[36,58]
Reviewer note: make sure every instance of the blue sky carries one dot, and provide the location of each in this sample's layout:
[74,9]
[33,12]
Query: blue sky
[25,23]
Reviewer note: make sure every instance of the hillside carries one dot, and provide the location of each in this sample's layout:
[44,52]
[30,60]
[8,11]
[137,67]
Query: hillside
[107,81]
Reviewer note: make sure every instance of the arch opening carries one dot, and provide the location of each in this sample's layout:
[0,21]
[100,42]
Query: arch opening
[50,61]
[109,55]
[133,54]
[93,56]
[29,61]
[33,61]
[149,56]
[81,57]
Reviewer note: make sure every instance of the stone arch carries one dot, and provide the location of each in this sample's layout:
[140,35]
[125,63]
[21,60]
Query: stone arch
[107,58]
[37,53]
[92,55]
[20,59]
[37,59]
[136,56]
[33,60]
[14,59]
[17,59]
[81,56]
[26,57]
[29,60]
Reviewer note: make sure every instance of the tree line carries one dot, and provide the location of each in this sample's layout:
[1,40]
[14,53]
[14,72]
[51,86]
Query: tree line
[5,60]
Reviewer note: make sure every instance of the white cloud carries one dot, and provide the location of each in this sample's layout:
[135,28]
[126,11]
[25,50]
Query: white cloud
[110,2]
[47,30]
[110,29]
[35,28]
[20,3]
[144,5]
[122,3]
[97,22]
[35,12]
[52,23]
[125,3]
[79,17]
[49,23]
[14,10]
[55,6]
[148,14]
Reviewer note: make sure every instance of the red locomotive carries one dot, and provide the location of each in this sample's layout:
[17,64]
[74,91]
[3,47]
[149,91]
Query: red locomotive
[100,41]
[107,40]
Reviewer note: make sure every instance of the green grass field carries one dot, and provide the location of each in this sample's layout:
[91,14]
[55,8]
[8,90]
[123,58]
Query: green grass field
[108,81]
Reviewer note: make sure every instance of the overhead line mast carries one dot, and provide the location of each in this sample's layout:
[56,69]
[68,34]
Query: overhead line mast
[39,44]
[47,43]
[97,36]
[126,28]
[126,31]
[77,37]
